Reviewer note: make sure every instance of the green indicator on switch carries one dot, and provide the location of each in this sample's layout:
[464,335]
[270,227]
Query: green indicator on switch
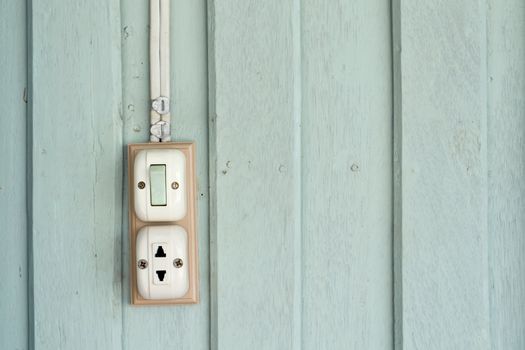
[157,180]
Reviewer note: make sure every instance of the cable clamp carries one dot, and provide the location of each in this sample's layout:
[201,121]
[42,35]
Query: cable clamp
[160,129]
[161,105]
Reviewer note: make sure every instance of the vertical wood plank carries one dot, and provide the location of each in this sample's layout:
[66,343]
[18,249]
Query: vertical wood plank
[397,171]
[13,233]
[347,182]
[181,327]
[76,174]
[442,138]
[506,149]
[255,172]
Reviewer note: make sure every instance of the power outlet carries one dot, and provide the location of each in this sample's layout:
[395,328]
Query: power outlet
[162,262]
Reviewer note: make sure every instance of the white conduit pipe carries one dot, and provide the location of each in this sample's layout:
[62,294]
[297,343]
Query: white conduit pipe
[159,56]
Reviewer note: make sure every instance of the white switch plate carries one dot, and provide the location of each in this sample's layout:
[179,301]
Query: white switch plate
[162,264]
[172,188]
[188,223]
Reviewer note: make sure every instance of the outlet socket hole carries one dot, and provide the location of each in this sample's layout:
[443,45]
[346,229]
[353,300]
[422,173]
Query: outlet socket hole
[161,274]
[160,253]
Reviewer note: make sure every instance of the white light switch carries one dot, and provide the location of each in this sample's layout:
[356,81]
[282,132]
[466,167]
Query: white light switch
[160,185]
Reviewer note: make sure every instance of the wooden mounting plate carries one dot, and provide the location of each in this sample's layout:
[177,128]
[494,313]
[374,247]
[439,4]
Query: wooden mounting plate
[189,223]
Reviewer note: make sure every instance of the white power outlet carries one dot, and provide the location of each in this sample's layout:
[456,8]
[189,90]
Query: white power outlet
[162,262]
[160,185]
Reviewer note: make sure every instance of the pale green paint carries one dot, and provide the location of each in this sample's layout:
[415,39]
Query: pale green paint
[459,126]
[301,132]
[303,201]
[76,181]
[255,165]
[13,228]
[442,140]
[506,172]
[347,175]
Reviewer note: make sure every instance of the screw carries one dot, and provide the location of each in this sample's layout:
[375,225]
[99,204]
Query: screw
[142,264]
[175,185]
[178,263]
[141,185]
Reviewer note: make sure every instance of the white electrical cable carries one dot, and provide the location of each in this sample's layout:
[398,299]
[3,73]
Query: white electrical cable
[154,49]
[159,56]
[165,48]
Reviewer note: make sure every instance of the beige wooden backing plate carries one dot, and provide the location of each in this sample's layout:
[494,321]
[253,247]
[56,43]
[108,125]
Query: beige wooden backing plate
[192,297]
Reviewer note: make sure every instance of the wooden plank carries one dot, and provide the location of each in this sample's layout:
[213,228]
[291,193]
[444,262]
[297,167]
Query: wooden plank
[13,234]
[397,152]
[76,174]
[255,170]
[441,135]
[347,181]
[506,147]
[184,327]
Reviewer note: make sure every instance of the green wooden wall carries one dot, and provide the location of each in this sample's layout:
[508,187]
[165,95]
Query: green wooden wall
[361,173]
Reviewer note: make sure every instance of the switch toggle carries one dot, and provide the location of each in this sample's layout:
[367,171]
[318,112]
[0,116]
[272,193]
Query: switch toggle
[157,178]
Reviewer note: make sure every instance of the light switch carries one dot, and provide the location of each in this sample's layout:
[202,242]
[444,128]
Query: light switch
[160,185]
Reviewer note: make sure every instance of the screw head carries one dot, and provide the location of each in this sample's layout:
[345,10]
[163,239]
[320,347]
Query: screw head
[141,185]
[142,264]
[174,185]
[178,263]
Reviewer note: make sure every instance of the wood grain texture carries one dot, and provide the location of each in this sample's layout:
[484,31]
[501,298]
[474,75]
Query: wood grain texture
[347,182]
[442,136]
[506,166]
[13,230]
[254,127]
[308,78]
[180,327]
[76,174]
[301,173]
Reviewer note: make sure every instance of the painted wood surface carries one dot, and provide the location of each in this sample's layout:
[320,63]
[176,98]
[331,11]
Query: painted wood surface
[76,183]
[174,327]
[441,139]
[301,128]
[346,175]
[506,173]
[255,170]
[13,228]
[315,233]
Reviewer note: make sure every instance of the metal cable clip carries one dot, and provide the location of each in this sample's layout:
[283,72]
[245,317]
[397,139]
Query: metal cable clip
[160,129]
[161,105]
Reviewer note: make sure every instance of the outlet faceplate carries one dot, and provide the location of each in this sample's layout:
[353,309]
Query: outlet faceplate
[187,223]
[161,253]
